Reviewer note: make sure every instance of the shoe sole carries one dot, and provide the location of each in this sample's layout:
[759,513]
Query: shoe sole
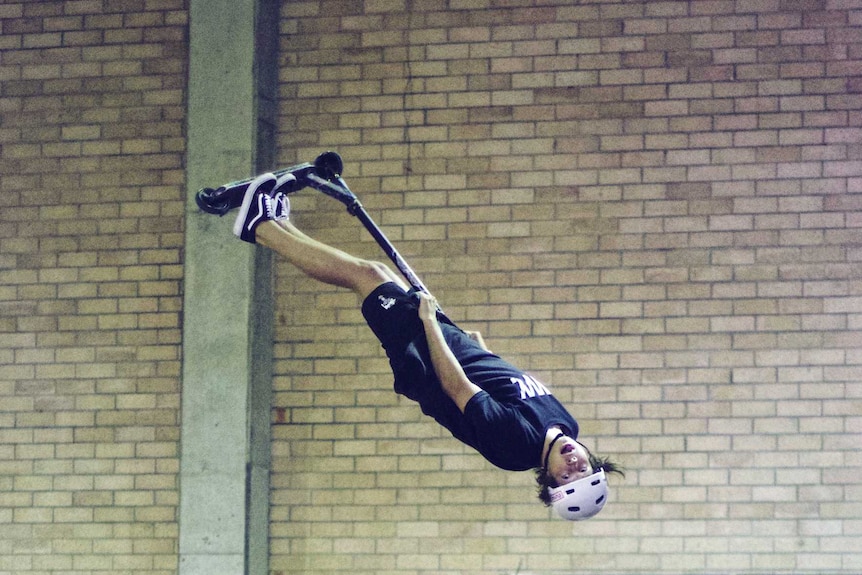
[284,184]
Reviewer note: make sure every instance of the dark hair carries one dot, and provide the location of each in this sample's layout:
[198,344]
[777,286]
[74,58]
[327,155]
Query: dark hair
[546,482]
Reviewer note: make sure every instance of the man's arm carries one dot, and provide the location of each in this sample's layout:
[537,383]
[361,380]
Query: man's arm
[452,377]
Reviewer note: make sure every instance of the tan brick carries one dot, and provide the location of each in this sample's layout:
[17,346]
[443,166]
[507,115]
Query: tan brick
[724,206]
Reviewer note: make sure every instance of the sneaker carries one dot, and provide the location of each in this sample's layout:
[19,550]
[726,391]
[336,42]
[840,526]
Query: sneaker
[280,207]
[256,208]
[285,184]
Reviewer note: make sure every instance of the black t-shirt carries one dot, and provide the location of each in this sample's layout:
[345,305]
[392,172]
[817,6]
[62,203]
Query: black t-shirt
[506,422]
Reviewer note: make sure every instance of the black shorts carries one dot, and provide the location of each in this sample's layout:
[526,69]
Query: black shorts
[393,316]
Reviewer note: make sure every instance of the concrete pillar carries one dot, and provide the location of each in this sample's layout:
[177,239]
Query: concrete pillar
[227,326]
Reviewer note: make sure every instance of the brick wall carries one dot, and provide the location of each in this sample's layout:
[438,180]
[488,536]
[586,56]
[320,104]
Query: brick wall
[652,206]
[91,216]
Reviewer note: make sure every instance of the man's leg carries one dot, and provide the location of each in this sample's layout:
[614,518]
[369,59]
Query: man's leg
[262,219]
[323,262]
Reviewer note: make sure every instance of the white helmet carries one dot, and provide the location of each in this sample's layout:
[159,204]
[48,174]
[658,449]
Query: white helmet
[580,499]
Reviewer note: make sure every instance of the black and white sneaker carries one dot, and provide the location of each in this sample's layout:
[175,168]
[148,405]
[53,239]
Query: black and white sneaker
[256,207]
[280,202]
[280,207]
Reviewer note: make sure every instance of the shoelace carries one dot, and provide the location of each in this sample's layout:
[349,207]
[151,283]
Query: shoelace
[270,209]
[281,207]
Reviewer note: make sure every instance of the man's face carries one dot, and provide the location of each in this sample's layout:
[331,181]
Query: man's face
[569,461]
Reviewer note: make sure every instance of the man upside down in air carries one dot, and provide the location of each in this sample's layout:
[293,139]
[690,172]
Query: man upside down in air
[506,415]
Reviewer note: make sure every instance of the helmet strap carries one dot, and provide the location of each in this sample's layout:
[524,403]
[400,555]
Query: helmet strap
[550,447]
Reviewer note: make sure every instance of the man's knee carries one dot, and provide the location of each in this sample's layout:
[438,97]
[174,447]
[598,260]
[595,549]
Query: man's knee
[369,275]
[377,270]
